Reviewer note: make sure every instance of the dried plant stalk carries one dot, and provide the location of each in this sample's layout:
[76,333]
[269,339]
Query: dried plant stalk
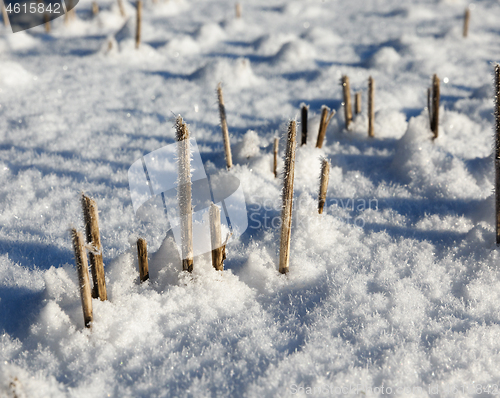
[46,19]
[223,124]
[303,122]
[138,24]
[435,106]
[276,146]
[121,8]
[218,249]
[429,107]
[497,151]
[287,196]
[95,9]
[357,103]
[184,193]
[83,276]
[371,107]
[5,16]
[238,10]
[466,22]
[91,218]
[323,125]
[347,101]
[142,255]
[323,185]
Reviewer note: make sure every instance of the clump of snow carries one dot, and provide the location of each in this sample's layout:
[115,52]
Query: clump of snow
[236,74]
[209,34]
[425,164]
[297,52]
[387,58]
[13,74]
[248,147]
[321,37]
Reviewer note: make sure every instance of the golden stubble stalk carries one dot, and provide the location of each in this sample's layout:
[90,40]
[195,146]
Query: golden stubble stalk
[223,124]
[357,103]
[91,219]
[497,151]
[287,197]
[83,276]
[466,22]
[323,185]
[303,122]
[184,193]
[433,97]
[275,162]
[371,107]
[323,125]
[218,249]
[346,89]
[138,25]
[142,256]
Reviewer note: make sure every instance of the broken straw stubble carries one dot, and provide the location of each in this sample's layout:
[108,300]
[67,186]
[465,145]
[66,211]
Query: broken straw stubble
[371,107]
[184,193]
[223,124]
[83,276]
[91,218]
[275,162]
[466,22]
[323,124]
[287,197]
[323,185]
[138,25]
[433,98]
[346,89]
[357,103]
[303,123]
[497,152]
[142,256]
[218,249]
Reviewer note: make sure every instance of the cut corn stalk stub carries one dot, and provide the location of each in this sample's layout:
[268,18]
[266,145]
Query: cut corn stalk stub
[497,152]
[323,186]
[83,276]
[184,193]
[218,249]
[323,125]
[91,218]
[142,255]
[346,89]
[433,98]
[303,123]
[223,124]
[287,198]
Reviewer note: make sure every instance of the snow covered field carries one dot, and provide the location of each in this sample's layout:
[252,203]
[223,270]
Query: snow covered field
[393,291]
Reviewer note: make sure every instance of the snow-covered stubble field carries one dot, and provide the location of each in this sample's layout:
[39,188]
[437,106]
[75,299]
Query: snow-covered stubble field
[393,291]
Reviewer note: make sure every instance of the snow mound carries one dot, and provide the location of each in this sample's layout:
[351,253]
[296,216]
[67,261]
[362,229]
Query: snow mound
[209,34]
[385,59]
[181,45]
[271,43]
[21,41]
[13,74]
[237,73]
[248,147]
[321,36]
[294,53]
[429,168]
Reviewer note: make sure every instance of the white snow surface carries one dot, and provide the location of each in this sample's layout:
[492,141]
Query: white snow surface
[393,291]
